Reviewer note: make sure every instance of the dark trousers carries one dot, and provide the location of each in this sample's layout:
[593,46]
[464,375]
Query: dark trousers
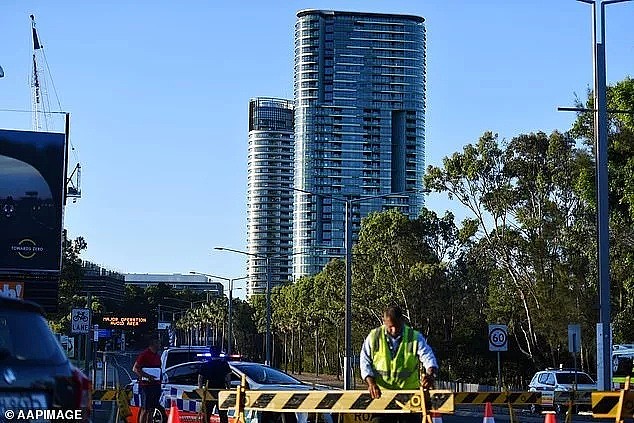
[209,410]
[149,396]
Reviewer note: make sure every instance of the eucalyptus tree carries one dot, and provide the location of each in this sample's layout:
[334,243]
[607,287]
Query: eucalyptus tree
[620,97]
[523,200]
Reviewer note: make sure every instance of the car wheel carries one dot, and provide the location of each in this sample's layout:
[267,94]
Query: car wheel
[615,364]
[621,366]
[560,409]
[159,416]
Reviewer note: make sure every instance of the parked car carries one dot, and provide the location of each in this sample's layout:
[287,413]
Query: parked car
[622,356]
[560,380]
[36,374]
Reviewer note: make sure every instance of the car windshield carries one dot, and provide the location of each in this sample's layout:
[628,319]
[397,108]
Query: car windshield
[26,337]
[182,356]
[569,379]
[265,375]
[186,374]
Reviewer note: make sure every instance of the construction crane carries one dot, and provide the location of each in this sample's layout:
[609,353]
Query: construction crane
[41,109]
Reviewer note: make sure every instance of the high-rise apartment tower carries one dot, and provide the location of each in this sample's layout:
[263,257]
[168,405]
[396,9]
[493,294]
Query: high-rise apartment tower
[359,91]
[269,191]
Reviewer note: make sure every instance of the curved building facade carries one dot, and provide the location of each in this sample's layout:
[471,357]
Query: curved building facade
[359,89]
[269,191]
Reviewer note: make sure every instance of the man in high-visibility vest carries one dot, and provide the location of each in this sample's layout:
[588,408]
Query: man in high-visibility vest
[391,357]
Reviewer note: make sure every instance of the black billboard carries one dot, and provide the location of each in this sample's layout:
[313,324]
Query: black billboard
[41,289]
[32,185]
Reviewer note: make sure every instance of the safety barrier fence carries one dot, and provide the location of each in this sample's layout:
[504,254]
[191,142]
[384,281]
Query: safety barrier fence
[611,404]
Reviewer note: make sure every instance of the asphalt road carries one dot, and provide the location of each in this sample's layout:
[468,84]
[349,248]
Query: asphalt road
[119,373]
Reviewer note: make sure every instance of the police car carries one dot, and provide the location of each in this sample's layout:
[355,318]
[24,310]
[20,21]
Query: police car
[551,381]
[183,377]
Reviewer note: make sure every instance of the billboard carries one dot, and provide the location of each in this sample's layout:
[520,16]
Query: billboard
[39,288]
[32,182]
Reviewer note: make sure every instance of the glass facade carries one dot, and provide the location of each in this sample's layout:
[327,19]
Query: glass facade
[359,91]
[269,191]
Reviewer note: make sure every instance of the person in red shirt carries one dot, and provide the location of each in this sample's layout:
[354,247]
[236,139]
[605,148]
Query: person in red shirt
[149,382]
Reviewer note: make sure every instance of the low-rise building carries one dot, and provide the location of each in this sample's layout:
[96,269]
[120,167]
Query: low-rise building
[195,283]
[108,285]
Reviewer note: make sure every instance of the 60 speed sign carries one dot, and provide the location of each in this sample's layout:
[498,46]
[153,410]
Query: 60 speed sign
[498,338]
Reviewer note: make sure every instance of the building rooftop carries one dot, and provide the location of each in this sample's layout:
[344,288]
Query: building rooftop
[361,14]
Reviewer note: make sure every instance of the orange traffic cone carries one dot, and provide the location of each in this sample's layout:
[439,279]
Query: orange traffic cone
[550,417]
[175,416]
[436,417]
[488,414]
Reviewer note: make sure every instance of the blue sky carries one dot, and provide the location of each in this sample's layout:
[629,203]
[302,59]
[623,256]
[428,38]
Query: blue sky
[158,94]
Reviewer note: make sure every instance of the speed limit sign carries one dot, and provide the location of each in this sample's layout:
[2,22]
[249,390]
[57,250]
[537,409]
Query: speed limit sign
[498,338]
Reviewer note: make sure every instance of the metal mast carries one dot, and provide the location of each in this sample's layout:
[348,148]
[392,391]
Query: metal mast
[41,113]
[40,107]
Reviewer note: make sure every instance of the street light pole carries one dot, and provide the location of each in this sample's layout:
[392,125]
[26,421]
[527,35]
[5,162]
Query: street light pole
[230,281]
[604,346]
[347,363]
[268,337]
[267,346]
[268,311]
[230,320]
[347,359]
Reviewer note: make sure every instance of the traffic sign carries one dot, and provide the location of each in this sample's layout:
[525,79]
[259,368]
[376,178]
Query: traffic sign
[498,338]
[574,338]
[105,333]
[80,320]
[68,344]
[70,347]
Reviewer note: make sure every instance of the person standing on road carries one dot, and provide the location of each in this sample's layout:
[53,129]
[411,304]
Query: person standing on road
[149,383]
[391,358]
[215,374]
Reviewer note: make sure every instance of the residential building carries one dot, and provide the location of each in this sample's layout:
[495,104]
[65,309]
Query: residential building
[359,90]
[269,192]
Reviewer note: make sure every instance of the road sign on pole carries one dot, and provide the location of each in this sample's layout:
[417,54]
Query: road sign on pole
[574,338]
[498,338]
[498,341]
[70,347]
[68,344]
[80,320]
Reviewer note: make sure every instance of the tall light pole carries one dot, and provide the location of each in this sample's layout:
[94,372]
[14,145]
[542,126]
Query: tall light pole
[347,359]
[266,258]
[230,312]
[604,347]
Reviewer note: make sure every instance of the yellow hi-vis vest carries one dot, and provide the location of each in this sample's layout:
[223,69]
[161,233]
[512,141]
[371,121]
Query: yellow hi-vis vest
[401,370]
